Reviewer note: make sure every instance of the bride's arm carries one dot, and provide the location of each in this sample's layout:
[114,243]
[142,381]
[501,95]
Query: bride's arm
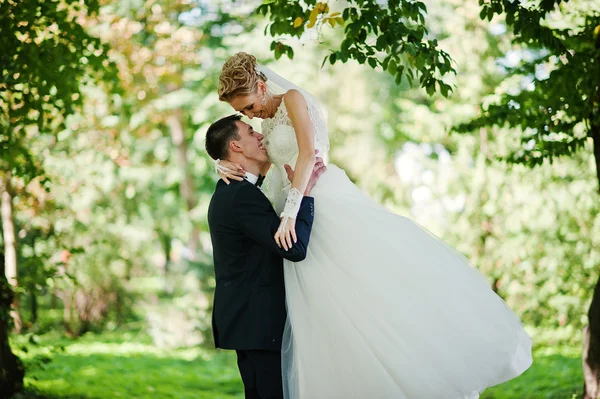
[298,113]
[229,170]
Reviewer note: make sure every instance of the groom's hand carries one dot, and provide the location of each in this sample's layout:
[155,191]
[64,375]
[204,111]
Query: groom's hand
[290,171]
[318,170]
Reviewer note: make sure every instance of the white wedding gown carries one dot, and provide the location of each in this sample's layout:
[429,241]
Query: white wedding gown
[381,308]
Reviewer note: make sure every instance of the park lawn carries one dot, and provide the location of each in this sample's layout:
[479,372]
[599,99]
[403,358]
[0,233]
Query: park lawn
[127,365]
[556,373]
[112,366]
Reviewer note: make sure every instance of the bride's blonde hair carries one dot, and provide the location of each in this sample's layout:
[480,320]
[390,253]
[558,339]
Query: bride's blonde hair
[239,77]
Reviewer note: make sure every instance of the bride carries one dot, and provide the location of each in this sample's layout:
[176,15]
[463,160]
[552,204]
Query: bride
[380,308]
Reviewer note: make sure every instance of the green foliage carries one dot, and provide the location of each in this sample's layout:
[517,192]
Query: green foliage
[557,108]
[117,196]
[551,99]
[45,54]
[391,35]
[534,235]
[112,192]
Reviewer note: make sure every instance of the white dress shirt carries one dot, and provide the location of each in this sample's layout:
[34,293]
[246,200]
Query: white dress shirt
[251,178]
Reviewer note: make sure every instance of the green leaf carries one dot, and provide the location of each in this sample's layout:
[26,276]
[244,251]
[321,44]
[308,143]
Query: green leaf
[386,62]
[373,62]
[444,89]
[392,68]
[483,13]
[324,61]
[398,79]
[430,88]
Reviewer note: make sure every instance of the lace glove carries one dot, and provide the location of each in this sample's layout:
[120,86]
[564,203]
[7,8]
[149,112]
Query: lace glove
[287,228]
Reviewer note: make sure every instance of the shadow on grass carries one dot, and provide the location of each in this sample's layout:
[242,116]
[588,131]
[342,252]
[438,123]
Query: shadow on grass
[553,376]
[120,366]
[102,376]
[33,394]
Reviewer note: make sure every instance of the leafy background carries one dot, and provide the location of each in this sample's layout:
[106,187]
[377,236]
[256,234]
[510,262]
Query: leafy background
[104,111]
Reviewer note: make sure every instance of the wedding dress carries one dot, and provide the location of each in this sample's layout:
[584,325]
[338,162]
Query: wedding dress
[381,308]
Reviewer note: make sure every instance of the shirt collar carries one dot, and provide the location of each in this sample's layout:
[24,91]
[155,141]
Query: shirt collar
[251,178]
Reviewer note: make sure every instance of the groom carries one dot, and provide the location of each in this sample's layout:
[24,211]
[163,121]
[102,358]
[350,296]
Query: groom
[249,304]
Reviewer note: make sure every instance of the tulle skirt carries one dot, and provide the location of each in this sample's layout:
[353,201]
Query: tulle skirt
[381,308]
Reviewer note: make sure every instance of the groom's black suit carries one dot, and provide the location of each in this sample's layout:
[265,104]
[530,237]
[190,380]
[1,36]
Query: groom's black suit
[249,304]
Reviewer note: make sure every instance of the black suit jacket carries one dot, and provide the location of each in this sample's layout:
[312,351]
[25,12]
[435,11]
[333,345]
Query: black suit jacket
[249,304]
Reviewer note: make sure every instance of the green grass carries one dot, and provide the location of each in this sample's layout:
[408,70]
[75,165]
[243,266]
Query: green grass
[556,372]
[552,376]
[127,365]
[112,366]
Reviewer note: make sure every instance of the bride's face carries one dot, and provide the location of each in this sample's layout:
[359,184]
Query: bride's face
[251,105]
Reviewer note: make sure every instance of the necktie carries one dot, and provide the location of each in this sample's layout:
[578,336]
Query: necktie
[260,180]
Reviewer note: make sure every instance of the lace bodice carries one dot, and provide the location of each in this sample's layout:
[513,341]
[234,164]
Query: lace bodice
[280,137]
[282,146]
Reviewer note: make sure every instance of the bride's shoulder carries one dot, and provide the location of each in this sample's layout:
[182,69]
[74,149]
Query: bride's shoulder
[294,99]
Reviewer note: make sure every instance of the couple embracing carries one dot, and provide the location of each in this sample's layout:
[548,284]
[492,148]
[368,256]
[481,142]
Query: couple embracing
[374,306]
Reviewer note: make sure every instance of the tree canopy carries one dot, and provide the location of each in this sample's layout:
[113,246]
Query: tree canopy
[552,95]
[390,35]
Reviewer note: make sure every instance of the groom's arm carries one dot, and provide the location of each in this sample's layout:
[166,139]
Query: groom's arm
[256,217]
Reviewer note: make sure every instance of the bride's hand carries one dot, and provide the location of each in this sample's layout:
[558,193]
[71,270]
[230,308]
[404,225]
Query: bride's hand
[286,233]
[229,170]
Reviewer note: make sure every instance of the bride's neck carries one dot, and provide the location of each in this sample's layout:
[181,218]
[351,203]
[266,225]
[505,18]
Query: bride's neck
[275,103]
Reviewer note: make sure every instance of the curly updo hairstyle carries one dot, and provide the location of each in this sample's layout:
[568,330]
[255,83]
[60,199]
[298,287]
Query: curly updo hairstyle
[239,77]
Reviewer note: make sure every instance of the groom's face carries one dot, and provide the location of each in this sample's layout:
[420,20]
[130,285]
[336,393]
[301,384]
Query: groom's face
[250,143]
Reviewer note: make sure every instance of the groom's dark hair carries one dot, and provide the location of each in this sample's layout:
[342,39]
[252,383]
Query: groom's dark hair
[219,135]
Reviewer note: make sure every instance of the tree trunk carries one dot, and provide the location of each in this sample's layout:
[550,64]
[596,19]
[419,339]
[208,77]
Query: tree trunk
[591,337]
[188,191]
[33,305]
[32,291]
[165,240]
[67,298]
[595,134]
[591,349]
[591,333]
[11,367]
[10,245]
[482,161]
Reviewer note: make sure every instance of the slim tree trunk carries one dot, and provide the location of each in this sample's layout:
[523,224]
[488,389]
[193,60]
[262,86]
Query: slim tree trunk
[479,246]
[188,190]
[32,291]
[165,240]
[591,333]
[10,244]
[595,134]
[591,349]
[591,337]
[11,367]
[33,305]
[67,298]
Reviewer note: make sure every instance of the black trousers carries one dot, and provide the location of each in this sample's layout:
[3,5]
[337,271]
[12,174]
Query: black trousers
[261,374]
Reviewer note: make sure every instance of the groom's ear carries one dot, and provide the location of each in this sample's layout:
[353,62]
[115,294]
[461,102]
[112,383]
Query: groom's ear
[234,146]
